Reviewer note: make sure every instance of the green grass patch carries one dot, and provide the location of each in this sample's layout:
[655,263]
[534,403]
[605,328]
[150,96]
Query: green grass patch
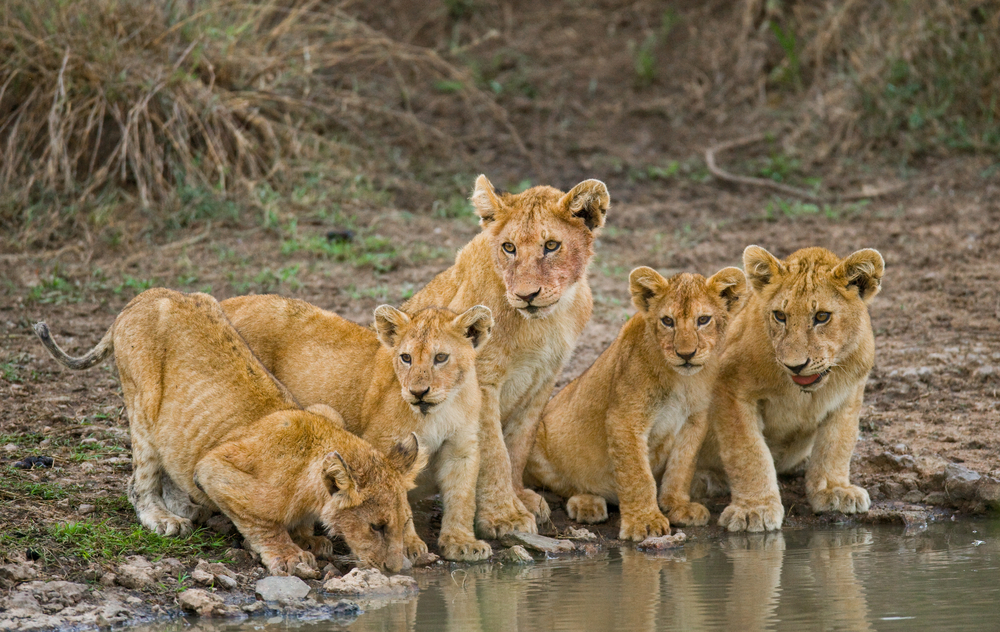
[104,541]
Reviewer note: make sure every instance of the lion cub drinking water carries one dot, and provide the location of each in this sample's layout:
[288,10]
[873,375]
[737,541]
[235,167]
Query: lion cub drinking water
[421,378]
[639,412]
[204,412]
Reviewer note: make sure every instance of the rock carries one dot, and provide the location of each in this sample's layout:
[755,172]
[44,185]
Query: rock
[136,573]
[936,498]
[581,534]
[893,489]
[201,602]
[960,482]
[516,554]
[227,582]
[133,601]
[915,496]
[85,509]
[170,566]
[663,542]
[108,579]
[240,557]
[281,588]
[989,492]
[254,608]
[330,571]
[370,582]
[202,577]
[15,573]
[305,571]
[425,559]
[538,543]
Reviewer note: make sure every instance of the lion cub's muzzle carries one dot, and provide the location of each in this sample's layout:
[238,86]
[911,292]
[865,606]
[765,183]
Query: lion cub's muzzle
[421,400]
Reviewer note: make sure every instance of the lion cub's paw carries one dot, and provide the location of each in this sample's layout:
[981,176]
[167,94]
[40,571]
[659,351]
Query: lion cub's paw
[318,545]
[849,499]
[284,563]
[170,526]
[766,516]
[688,514]
[415,547]
[496,521]
[649,524]
[587,508]
[463,549]
[534,503]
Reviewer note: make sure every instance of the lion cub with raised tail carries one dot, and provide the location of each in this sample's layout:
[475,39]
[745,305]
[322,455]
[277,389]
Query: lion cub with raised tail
[639,412]
[414,373]
[204,412]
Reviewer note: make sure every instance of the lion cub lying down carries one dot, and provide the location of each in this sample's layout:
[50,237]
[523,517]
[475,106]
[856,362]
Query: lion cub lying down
[204,412]
[420,379]
[639,412]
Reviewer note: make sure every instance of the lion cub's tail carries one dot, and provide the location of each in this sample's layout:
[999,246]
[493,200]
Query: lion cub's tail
[92,357]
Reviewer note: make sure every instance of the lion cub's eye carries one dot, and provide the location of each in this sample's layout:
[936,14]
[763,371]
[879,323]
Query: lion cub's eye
[405,357]
[509,248]
[704,320]
[379,528]
[779,315]
[441,358]
[821,317]
[667,321]
[551,246]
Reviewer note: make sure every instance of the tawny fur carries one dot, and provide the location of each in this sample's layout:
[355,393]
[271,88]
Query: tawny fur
[529,266]
[638,414]
[323,358]
[807,316]
[204,413]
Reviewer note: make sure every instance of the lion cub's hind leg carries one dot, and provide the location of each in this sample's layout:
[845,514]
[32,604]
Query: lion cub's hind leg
[180,503]
[587,508]
[145,492]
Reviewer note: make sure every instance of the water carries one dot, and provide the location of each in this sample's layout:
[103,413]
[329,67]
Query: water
[946,577]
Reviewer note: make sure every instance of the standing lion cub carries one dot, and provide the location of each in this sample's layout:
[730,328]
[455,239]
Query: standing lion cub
[791,386]
[205,413]
[639,412]
[420,379]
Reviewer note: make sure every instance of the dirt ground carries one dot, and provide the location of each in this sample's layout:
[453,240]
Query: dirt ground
[932,399]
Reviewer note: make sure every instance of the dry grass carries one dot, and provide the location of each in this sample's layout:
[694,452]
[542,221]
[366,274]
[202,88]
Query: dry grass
[141,98]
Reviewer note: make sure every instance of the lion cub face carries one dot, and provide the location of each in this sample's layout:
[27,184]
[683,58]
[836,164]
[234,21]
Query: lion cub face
[541,239]
[688,312]
[434,350]
[368,505]
[815,305]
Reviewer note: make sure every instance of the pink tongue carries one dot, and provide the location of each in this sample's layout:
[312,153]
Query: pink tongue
[805,380]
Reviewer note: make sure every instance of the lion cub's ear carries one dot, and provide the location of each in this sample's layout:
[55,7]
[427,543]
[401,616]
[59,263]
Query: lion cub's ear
[731,285]
[340,479]
[761,266]
[645,284]
[863,270]
[405,457]
[589,201]
[475,323]
[388,321]
[485,200]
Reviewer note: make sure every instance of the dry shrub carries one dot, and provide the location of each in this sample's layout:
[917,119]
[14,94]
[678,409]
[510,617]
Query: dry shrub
[143,97]
[913,78]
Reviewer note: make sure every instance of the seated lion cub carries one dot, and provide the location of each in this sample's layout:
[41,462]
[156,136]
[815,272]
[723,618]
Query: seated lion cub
[204,412]
[421,379]
[791,386]
[639,412]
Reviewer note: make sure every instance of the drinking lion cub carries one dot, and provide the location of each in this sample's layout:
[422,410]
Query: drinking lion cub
[204,412]
[639,412]
[421,378]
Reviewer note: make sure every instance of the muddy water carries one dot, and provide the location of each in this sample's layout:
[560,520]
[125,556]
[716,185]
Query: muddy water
[945,577]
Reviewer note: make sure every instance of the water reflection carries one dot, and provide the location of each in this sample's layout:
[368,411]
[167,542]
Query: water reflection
[841,579]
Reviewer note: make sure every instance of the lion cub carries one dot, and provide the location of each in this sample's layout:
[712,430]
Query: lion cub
[414,373]
[792,389]
[639,412]
[204,412]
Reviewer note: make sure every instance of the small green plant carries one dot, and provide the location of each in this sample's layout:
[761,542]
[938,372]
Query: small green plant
[134,285]
[789,72]
[644,62]
[104,541]
[55,290]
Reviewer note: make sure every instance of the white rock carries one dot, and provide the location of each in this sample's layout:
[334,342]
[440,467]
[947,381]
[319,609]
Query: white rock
[370,582]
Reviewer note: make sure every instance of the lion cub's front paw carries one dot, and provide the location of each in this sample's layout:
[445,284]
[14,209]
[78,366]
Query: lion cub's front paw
[318,545]
[496,521]
[415,547]
[587,508]
[689,514]
[848,500]
[534,503]
[284,563]
[463,549]
[765,516]
[648,524]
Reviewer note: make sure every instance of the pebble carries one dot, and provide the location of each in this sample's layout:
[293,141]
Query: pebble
[86,509]
[662,542]
[281,588]
[581,534]
[201,602]
[539,543]
[370,582]
[516,554]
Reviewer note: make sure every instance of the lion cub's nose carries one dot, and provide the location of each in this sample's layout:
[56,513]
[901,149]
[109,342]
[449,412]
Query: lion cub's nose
[420,394]
[796,369]
[527,298]
[685,356]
